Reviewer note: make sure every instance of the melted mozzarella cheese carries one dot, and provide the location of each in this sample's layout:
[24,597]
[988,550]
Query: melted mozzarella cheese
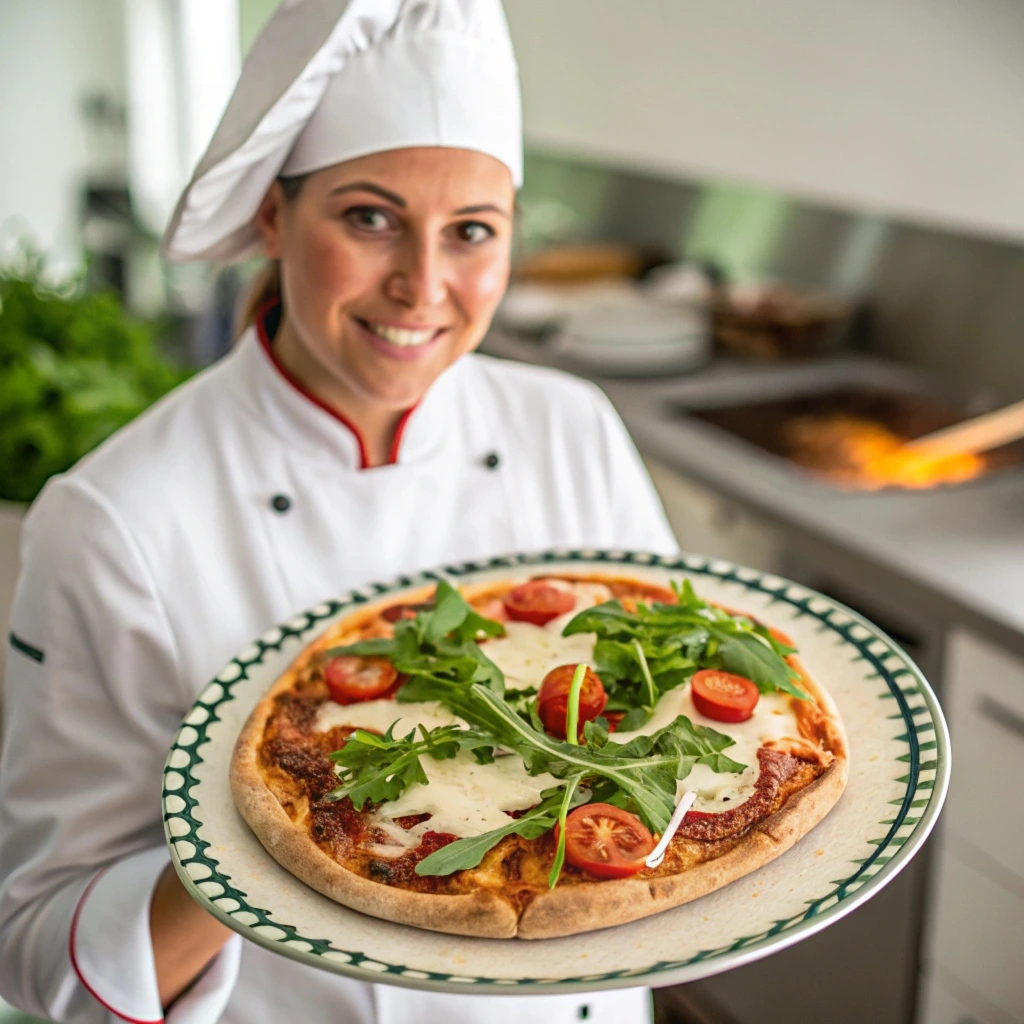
[461,796]
[467,799]
[773,718]
[527,653]
[379,714]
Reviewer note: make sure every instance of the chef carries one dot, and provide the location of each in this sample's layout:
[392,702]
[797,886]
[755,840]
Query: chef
[371,152]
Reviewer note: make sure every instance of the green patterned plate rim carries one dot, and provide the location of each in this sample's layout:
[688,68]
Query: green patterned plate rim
[910,706]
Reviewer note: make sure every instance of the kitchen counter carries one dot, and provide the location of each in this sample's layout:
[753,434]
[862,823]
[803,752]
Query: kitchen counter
[963,545]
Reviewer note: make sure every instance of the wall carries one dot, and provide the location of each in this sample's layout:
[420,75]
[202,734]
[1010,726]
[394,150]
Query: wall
[912,109]
[945,301]
[51,53]
[182,63]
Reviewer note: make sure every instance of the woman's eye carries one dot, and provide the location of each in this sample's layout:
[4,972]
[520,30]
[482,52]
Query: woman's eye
[368,218]
[474,231]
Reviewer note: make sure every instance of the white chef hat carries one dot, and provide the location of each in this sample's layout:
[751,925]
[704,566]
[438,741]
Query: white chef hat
[330,80]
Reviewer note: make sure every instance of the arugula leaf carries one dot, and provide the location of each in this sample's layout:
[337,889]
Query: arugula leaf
[438,653]
[646,769]
[596,732]
[523,701]
[635,718]
[453,617]
[468,853]
[650,694]
[438,644]
[642,654]
[563,811]
[572,715]
[721,763]
[746,654]
[374,769]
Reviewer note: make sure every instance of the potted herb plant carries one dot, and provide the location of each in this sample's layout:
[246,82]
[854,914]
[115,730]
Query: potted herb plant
[74,367]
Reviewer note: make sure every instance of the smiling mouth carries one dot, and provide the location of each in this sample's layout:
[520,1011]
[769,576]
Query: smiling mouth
[401,336]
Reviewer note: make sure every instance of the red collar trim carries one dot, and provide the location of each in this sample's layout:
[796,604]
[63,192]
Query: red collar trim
[399,431]
[364,463]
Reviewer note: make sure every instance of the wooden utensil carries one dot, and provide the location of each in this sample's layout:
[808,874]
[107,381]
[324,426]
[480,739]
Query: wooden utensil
[977,434]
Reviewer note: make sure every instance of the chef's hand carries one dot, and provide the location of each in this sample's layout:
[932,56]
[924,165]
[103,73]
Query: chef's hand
[185,937]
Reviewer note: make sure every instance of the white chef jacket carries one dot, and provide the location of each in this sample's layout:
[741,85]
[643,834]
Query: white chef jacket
[231,504]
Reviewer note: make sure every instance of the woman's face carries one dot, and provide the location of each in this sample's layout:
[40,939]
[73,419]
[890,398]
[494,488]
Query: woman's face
[392,266]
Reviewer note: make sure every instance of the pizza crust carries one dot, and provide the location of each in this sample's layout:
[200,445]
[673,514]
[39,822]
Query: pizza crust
[572,909]
[480,914]
[565,910]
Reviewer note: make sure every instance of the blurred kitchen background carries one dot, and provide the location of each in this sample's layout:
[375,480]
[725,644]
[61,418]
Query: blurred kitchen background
[784,237]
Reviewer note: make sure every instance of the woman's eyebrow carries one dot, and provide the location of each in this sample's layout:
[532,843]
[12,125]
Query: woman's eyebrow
[368,186]
[394,197]
[481,208]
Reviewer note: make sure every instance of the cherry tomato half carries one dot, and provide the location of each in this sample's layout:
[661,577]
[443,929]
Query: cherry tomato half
[405,611]
[553,699]
[492,608]
[538,601]
[352,679]
[606,841]
[723,696]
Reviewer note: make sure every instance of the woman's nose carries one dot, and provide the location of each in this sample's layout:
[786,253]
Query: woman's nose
[418,279]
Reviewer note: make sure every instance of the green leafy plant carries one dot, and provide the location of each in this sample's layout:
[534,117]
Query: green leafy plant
[74,367]
[641,655]
[374,768]
[467,853]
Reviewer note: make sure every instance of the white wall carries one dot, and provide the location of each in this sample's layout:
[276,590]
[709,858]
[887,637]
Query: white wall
[913,108]
[51,53]
[182,60]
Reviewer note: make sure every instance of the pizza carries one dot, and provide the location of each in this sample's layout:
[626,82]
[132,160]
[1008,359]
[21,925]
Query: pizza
[537,756]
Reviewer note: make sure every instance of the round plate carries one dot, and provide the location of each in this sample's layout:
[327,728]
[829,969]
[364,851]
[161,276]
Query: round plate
[899,770]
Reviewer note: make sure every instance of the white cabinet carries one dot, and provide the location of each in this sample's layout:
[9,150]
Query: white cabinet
[975,931]
[985,705]
[945,1002]
[976,937]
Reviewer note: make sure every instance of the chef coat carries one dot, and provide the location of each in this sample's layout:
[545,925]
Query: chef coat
[231,504]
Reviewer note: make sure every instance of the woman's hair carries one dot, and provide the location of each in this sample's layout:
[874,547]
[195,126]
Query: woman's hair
[266,282]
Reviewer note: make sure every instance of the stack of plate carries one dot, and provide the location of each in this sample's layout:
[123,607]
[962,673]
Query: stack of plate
[615,328]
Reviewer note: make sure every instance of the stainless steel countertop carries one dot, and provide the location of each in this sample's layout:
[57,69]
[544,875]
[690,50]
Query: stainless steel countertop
[965,543]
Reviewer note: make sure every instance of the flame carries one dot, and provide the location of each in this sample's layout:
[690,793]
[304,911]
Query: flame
[864,453]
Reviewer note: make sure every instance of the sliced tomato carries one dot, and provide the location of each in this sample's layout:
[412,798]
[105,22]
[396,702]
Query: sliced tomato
[606,841]
[723,696]
[691,816]
[433,841]
[538,601]
[553,699]
[351,679]
[614,719]
[405,611]
[493,608]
